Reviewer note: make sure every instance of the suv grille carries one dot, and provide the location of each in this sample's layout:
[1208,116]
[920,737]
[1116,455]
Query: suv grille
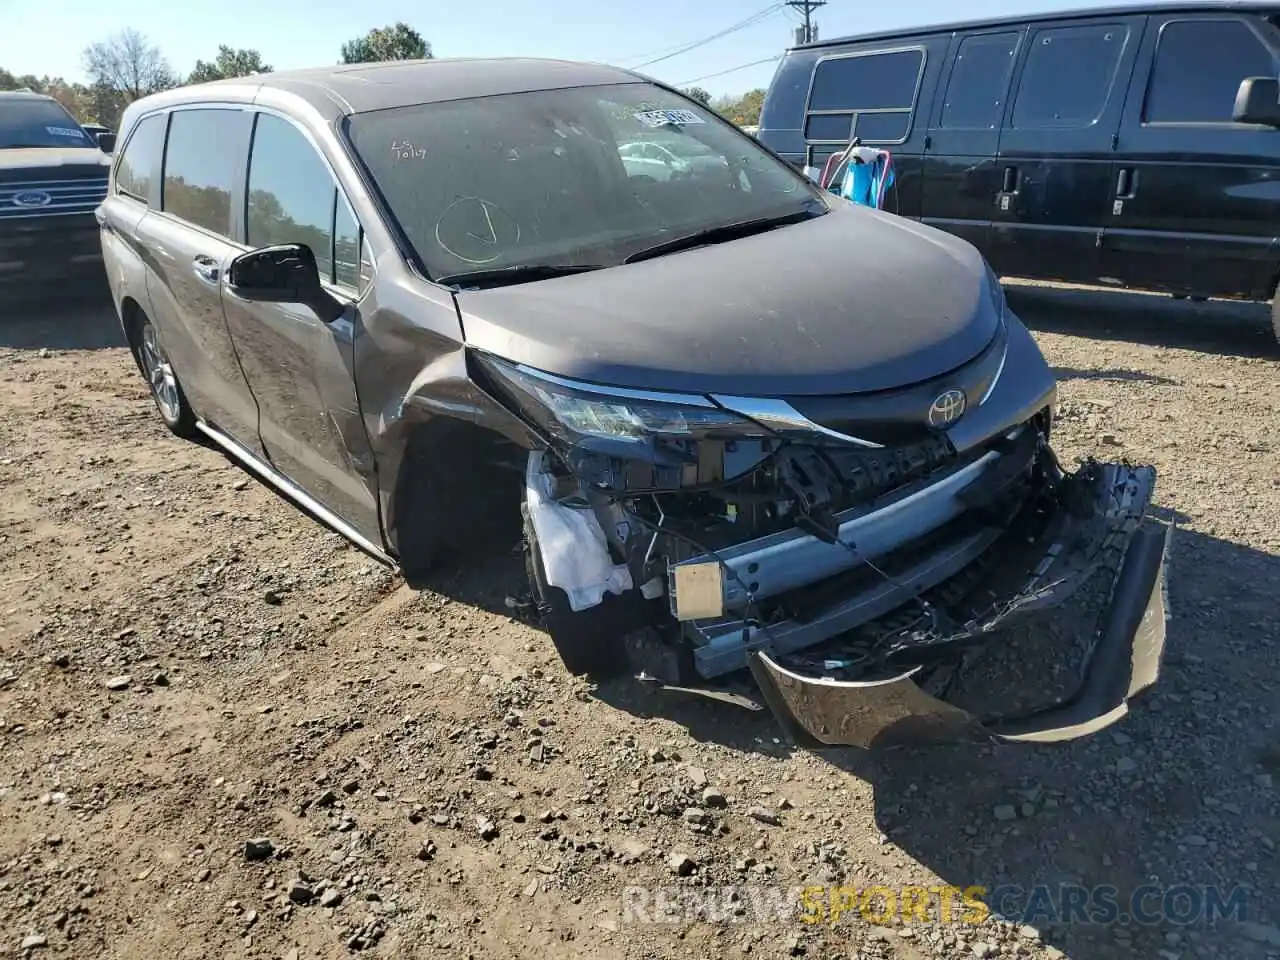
[51,198]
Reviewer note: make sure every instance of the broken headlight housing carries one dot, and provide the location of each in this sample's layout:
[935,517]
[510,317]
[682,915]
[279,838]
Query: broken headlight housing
[572,411]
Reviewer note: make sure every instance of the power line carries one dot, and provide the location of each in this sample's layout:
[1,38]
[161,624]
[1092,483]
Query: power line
[742,24]
[721,73]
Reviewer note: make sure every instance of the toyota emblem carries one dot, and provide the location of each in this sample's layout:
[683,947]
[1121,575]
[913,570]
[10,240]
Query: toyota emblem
[28,199]
[947,409]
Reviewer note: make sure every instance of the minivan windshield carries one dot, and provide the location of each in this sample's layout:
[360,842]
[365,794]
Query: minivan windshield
[38,123]
[576,178]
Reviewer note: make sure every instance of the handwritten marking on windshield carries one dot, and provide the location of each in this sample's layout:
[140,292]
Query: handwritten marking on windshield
[407,151]
[492,238]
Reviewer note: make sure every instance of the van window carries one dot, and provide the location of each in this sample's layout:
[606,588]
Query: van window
[140,162]
[979,82]
[1198,69]
[291,192]
[200,167]
[846,87]
[1069,75]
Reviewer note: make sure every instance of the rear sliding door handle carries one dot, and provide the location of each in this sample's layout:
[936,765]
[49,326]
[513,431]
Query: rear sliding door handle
[206,268]
[1012,180]
[1126,183]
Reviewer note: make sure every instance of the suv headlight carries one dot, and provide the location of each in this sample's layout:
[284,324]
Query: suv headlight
[571,411]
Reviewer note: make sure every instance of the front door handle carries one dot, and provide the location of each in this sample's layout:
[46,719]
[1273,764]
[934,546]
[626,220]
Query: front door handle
[1126,183]
[1012,180]
[206,268]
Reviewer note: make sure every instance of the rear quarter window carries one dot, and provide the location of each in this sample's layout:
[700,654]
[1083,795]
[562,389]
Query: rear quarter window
[139,163]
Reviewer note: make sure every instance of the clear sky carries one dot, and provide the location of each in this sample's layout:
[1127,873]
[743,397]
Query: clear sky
[48,36]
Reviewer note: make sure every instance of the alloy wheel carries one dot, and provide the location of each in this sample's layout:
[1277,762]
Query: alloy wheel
[159,373]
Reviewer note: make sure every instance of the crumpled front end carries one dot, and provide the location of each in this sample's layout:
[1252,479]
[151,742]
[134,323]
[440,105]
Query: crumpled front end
[851,568]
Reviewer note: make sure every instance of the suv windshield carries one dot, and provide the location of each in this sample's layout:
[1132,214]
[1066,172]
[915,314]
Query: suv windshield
[38,123]
[572,177]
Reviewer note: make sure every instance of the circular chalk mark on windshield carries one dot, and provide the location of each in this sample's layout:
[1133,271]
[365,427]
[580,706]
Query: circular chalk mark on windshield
[476,230]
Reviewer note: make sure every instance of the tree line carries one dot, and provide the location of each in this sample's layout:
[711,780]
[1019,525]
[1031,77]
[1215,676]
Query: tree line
[127,66]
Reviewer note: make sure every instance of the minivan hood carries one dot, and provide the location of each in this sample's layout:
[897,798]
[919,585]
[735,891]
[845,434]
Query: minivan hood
[852,301]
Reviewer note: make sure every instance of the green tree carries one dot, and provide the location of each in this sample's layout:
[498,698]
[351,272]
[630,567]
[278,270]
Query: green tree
[743,110]
[397,42]
[228,63]
[700,94]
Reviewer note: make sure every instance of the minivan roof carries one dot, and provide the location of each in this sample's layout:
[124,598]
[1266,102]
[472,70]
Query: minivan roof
[361,87]
[1218,6]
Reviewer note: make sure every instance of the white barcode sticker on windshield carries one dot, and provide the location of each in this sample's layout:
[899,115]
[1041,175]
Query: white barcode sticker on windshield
[660,118]
[65,132]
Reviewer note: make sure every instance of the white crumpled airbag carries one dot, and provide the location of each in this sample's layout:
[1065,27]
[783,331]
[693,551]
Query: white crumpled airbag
[575,554]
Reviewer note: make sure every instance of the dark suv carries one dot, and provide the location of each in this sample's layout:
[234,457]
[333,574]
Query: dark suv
[419,297]
[1136,147]
[53,175]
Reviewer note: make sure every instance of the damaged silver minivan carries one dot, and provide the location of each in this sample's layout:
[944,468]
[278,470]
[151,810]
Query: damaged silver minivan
[753,431]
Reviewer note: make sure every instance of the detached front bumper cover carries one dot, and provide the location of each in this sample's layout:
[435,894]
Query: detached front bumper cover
[1109,529]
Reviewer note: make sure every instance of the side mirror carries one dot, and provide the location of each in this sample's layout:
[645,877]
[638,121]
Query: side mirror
[284,273]
[1258,101]
[106,141]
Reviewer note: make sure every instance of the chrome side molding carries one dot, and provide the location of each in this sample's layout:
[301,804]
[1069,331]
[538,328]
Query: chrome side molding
[296,494]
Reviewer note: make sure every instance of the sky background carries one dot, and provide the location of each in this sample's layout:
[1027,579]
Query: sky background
[49,36]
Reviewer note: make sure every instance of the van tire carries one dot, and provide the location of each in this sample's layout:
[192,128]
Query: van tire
[1275,318]
[589,642]
[162,379]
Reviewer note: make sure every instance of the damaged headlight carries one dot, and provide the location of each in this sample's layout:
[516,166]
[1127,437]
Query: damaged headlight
[570,410]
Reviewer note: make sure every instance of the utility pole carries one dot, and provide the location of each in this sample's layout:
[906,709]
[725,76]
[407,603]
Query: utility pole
[809,32]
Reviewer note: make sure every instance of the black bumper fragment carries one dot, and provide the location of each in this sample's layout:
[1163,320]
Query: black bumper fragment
[1109,530]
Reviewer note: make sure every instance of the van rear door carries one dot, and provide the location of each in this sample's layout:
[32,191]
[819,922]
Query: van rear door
[961,179]
[881,93]
[1195,200]
[1055,157]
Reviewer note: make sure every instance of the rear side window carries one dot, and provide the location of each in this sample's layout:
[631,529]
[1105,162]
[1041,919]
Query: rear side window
[979,82]
[1069,75]
[200,164]
[139,165]
[291,192]
[865,95]
[1198,69]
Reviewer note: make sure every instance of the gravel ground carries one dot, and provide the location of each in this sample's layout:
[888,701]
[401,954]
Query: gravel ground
[224,733]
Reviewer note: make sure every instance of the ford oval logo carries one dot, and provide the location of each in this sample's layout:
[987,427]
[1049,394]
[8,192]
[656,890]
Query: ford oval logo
[30,199]
[947,409]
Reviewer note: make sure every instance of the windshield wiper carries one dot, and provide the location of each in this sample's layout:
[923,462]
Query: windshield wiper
[722,233]
[517,273]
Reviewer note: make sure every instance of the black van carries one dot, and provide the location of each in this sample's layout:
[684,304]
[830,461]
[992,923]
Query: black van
[1135,146]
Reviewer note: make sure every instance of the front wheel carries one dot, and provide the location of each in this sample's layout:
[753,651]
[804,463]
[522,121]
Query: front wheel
[588,641]
[162,381]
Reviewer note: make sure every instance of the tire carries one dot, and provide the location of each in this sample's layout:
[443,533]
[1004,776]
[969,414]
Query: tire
[589,642]
[1275,318]
[162,381]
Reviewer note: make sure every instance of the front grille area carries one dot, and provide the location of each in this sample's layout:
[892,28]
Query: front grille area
[26,199]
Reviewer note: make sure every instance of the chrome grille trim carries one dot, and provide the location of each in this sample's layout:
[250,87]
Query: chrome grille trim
[66,197]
